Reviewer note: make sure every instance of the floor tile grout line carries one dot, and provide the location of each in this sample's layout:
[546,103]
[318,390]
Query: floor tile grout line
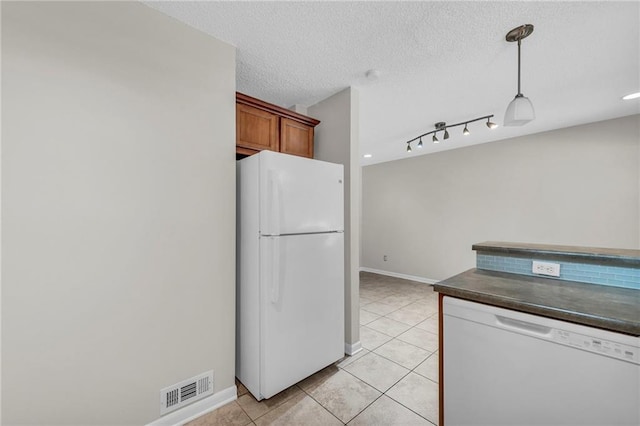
[410,370]
[244,411]
[325,408]
[373,387]
[411,344]
[378,331]
[385,392]
[390,312]
[415,412]
[395,362]
[272,408]
[369,405]
[397,337]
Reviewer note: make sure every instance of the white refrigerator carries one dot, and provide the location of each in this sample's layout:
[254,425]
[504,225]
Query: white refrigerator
[290,270]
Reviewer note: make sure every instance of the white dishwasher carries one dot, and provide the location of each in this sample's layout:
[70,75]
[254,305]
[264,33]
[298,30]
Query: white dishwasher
[503,367]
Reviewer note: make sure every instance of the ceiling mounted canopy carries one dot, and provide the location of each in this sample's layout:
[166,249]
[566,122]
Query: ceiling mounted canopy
[520,111]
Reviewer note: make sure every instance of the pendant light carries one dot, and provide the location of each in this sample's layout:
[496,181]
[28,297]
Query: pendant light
[520,111]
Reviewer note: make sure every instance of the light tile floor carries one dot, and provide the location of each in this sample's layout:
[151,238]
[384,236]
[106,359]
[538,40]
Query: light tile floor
[392,381]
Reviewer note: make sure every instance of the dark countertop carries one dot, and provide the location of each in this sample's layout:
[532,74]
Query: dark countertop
[611,308]
[603,256]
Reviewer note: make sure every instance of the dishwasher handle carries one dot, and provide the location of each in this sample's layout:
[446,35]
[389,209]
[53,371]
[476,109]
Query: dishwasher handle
[523,326]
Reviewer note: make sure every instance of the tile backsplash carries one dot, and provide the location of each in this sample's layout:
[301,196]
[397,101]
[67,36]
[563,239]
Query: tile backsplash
[616,276]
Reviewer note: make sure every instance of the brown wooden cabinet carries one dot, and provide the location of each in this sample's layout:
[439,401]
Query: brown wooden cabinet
[256,129]
[260,125]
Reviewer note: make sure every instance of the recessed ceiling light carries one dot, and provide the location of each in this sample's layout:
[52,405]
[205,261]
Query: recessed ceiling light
[367,156]
[631,96]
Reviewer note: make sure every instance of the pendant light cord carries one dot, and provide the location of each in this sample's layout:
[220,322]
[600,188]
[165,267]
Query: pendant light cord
[519,93]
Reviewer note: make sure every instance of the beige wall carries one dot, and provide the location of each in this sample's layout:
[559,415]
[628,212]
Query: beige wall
[337,140]
[118,211]
[574,186]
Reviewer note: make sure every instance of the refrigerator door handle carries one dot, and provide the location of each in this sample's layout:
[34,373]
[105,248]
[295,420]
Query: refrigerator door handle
[275,270]
[274,202]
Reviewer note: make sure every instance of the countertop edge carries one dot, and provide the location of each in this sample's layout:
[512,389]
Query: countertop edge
[609,257]
[606,323]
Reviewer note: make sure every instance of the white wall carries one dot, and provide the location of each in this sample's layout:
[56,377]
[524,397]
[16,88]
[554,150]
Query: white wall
[337,140]
[573,186]
[118,211]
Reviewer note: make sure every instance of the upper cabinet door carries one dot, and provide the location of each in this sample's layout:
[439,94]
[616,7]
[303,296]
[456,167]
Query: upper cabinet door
[296,138]
[256,129]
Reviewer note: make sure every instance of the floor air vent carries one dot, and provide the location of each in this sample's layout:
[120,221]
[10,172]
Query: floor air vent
[186,392]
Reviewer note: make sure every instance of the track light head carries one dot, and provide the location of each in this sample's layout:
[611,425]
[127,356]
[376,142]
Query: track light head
[434,138]
[446,134]
[465,131]
[491,124]
[420,143]
[408,147]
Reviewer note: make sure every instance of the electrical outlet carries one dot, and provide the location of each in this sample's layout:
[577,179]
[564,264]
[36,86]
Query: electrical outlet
[546,268]
[384,257]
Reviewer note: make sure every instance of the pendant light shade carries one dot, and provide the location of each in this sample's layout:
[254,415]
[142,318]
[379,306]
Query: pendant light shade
[520,111]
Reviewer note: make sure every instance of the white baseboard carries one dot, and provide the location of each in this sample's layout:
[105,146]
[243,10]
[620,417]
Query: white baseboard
[398,275]
[352,349]
[197,409]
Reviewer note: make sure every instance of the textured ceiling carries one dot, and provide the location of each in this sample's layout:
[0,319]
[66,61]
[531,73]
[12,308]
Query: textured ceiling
[438,61]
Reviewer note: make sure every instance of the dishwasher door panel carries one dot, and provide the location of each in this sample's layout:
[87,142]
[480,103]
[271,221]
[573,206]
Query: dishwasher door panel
[496,376]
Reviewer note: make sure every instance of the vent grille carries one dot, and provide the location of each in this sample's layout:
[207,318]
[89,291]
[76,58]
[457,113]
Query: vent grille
[203,385]
[186,392]
[172,398]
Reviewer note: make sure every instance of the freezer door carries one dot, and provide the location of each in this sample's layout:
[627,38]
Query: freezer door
[302,308]
[299,195]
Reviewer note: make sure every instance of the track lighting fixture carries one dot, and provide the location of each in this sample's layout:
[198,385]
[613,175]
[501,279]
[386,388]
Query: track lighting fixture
[441,126]
[520,111]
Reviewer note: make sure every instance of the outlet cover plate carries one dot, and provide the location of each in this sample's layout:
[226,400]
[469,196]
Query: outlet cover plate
[546,268]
